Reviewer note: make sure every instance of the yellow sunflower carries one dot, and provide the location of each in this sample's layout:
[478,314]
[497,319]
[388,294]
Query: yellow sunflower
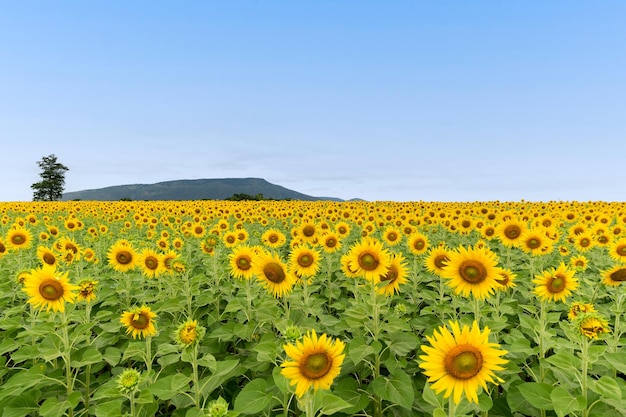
[614,276]
[417,243]
[578,308]
[304,261]
[87,290]
[472,271]
[436,259]
[315,362]
[506,279]
[273,273]
[392,236]
[122,257]
[151,263]
[396,275]
[591,325]
[369,259]
[461,362]
[534,242]
[330,241]
[189,333]
[273,238]
[579,262]
[240,262]
[47,256]
[617,249]
[230,239]
[19,238]
[555,284]
[49,289]
[510,231]
[139,322]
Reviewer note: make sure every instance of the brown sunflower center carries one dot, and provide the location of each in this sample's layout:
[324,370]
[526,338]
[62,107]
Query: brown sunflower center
[231,239]
[51,289]
[392,236]
[124,257]
[308,230]
[619,275]
[463,361]
[391,275]
[368,261]
[243,262]
[316,365]
[305,260]
[331,242]
[274,273]
[621,250]
[151,262]
[512,231]
[473,271]
[49,258]
[18,239]
[2,248]
[556,284]
[533,243]
[273,238]
[440,261]
[584,242]
[140,321]
[419,244]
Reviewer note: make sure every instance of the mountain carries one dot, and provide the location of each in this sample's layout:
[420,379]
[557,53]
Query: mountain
[201,189]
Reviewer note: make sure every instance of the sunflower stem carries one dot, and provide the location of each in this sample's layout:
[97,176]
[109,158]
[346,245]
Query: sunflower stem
[148,358]
[67,358]
[451,407]
[584,356]
[194,366]
[309,404]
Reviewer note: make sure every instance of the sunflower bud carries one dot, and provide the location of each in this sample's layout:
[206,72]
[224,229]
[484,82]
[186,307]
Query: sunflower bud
[128,381]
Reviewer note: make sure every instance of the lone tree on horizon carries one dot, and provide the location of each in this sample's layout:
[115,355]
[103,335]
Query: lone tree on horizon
[52,183]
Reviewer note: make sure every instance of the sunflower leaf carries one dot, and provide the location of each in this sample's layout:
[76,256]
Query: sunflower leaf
[329,404]
[565,403]
[537,394]
[166,388]
[398,389]
[607,387]
[253,398]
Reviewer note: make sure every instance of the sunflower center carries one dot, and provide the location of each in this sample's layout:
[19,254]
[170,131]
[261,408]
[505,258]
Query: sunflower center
[2,248]
[419,244]
[243,263]
[512,231]
[621,250]
[305,260]
[368,261]
[619,275]
[274,272]
[473,272]
[51,289]
[556,284]
[49,259]
[392,236]
[18,239]
[440,261]
[316,365]
[533,243]
[124,257]
[308,230]
[391,275]
[231,239]
[273,238]
[331,242]
[140,321]
[151,262]
[490,231]
[584,242]
[463,361]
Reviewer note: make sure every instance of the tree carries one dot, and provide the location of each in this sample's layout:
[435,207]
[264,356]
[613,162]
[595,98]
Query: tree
[52,183]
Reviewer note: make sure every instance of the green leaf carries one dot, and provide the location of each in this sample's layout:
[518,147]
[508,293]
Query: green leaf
[440,412]
[348,390]
[167,387]
[565,361]
[253,398]
[329,404]
[402,343]
[537,394]
[25,404]
[430,397]
[357,352]
[53,407]
[24,380]
[564,403]
[112,355]
[223,371]
[89,356]
[617,360]
[397,389]
[110,408]
[607,387]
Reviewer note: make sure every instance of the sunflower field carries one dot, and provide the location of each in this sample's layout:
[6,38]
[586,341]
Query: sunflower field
[290,308]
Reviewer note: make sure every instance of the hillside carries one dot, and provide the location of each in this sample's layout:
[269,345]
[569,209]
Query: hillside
[201,189]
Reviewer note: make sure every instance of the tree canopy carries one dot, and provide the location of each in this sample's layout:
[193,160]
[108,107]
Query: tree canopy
[52,183]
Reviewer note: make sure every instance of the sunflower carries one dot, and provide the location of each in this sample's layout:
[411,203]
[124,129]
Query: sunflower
[472,271]
[189,333]
[617,249]
[139,322]
[369,259]
[47,256]
[3,248]
[591,325]
[506,279]
[308,231]
[510,231]
[578,308]
[19,238]
[389,283]
[555,284]
[86,290]
[151,263]
[230,239]
[343,229]
[534,242]
[614,276]
[583,242]
[49,288]
[315,362]
[330,242]
[392,236]
[305,261]
[273,238]
[579,262]
[436,259]
[417,243]
[346,267]
[273,273]
[462,361]
[240,262]
[122,257]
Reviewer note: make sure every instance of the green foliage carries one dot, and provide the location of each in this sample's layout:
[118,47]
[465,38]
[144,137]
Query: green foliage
[52,183]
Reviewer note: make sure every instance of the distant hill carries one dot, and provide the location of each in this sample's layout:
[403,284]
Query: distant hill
[201,189]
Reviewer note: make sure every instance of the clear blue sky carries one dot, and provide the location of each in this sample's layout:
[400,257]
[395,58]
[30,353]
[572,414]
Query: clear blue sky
[380,100]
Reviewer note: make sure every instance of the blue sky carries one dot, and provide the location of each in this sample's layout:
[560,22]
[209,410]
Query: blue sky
[380,100]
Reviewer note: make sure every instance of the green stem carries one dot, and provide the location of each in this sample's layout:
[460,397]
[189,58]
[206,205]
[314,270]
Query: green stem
[584,370]
[196,385]
[67,358]
[148,358]
[451,407]
[309,404]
